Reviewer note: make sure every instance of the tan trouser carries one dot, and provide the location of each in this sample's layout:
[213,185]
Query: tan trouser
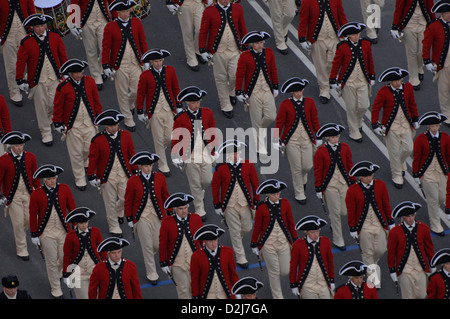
[300,157]
[43,95]
[126,83]
[52,246]
[322,54]
[225,65]
[78,142]
[323,294]
[334,198]
[239,221]
[435,191]
[277,266]
[443,84]
[199,176]
[183,279]
[190,20]
[413,46]
[92,41]
[281,13]
[357,102]
[17,210]
[373,244]
[368,16]
[413,285]
[113,193]
[399,146]
[148,233]
[161,125]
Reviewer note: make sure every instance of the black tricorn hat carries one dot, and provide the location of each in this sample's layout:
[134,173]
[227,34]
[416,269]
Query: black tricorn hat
[270,186]
[392,74]
[47,170]
[154,54]
[440,257]
[231,146]
[73,65]
[36,19]
[363,168]
[432,117]
[109,117]
[351,28]
[255,36]
[310,222]
[80,215]
[208,232]
[353,268]
[177,200]
[405,208]
[15,137]
[246,286]
[329,129]
[112,243]
[294,84]
[191,93]
[441,6]
[144,158]
[119,5]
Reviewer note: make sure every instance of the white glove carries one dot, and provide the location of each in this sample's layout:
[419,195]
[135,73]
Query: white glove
[416,125]
[372,82]
[75,32]
[24,87]
[241,98]
[178,162]
[319,195]
[335,86]
[172,8]
[379,131]
[295,291]
[205,56]
[391,226]
[395,34]
[332,287]
[319,142]
[275,93]
[433,270]
[67,282]
[109,72]
[305,45]
[417,180]
[354,234]
[35,241]
[95,182]
[166,270]
[276,146]
[255,250]
[60,129]
[131,224]
[394,276]
[3,201]
[143,117]
[448,216]
[430,67]
[209,2]
[146,66]
[218,211]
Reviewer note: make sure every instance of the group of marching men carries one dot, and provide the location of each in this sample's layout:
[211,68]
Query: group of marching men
[189,252]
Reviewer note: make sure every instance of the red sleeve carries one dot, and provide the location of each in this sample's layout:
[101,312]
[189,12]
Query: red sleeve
[204,29]
[195,273]
[22,58]
[4,115]
[93,158]
[142,39]
[97,107]
[428,39]
[242,26]
[303,22]
[135,286]
[58,105]
[280,120]
[129,198]
[294,262]
[62,55]
[94,282]
[254,180]
[241,71]
[272,67]
[378,104]
[33,209]
[337,62]
[342,18]
[142,90]
[106,44]
[215,186]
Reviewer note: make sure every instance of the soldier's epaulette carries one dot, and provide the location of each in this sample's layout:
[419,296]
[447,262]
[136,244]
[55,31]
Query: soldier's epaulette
[341,43]
[218,165]
[437,19]
[260,203]
[97,135]
[178,114]
[61,84]
[25,38]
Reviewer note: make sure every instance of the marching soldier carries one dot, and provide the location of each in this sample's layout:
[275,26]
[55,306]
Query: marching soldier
[368,7]
[176,242]
[439,281]
[319,24]
[123,44]
[159,87]
[189,14]
[353,75]
[80,251]
[247,287]
[115,277]
[41,55]
[274,233]
[410,250]
[17,183]
[311,271]
[5,123]
[296,126]
[281,14]
[332,164]
[109,166]
[409,24]
[221,30]
[434,54]
[76,106]
[399,115]
[368,212]
[145,195]
[10,285]
[355,287]
[94,15]
[12,31]
[194,153]
[49,206]
[234,195]
[213,271]
[430,166]
[257,82]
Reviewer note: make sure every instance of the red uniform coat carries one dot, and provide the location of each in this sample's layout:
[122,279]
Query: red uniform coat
[212,26]
[264,222]
[202,274]
[40,210]
[347,291]
[447,197]
[113,45]
[29,53]
[149,89]
[345,60]
[182,140]
[310,19]
[222,186]
[137,195]
[302,255]
[325,165]
[438,286]
[400,246]
[422,154]
[100,286]
[72,248]
[25,8]
[355,205]
[171,237]
[404,10]
[8,179]
[247,71]
[101,156]
[385,102]
[86,7]
[435,43]
[5,121]
[67,101]
[289,116]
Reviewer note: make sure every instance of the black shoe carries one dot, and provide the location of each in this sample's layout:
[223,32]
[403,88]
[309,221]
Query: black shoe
[358,140]
[441,234]
[48,143]
[153,282]
[116,235]
[243,266]
[203,218]
[398,186]
[166,174]
[130,128]
[233,100]
[120,220]
[323,99]
[59,297]
[283,52]
[24,258]
[17,103]
[416,87]
[373,41]
[100,86]
[420,77]
[104,77]
[200,59]
[194,68]
[228,114]
[81,188]
[341,248]
[301,201]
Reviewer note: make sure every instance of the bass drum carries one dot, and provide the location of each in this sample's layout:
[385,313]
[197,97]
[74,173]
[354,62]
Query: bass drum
[141,9]
[57,9]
